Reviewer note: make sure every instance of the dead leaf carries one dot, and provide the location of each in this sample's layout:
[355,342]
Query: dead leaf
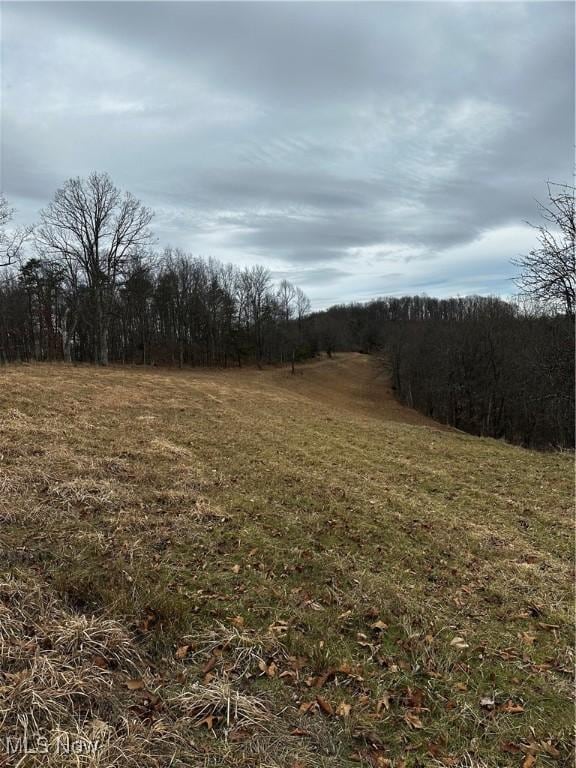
[413,720]
[414,698]
[510,747]
[148,621]
[380,626]
[550,749]
[278,627]
[378,760]
[208,721]
[528,761]
[344,709]
[135,685]
[325,706]
[239,735]
[383,702]
[210,664]
[182,651]
[511,708]
[270,670]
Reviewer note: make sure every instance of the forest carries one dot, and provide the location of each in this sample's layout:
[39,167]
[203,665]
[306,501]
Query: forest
[85,285]
[174,309]
[94,290]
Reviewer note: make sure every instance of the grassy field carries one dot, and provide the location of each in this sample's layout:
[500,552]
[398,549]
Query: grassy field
[250,568]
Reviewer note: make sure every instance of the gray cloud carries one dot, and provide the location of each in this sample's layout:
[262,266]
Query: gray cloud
[397,145]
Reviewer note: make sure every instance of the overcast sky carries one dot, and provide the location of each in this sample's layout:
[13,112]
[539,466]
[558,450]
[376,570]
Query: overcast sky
[358,149]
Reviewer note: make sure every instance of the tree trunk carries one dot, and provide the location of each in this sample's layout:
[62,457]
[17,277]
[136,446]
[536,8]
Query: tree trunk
[103,343]
[67,351]
[67,336]
[102,320]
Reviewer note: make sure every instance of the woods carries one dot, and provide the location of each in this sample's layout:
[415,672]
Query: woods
[173,309]
[96,292]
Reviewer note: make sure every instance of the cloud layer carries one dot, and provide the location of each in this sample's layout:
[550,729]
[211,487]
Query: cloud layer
[357,148]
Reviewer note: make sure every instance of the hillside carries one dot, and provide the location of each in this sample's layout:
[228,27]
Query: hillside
[249,568]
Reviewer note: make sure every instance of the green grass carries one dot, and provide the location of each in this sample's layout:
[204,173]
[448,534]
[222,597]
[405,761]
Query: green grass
[307,514]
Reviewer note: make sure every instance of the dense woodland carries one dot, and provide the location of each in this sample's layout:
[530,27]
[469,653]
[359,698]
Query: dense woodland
[84,285]
[171,310]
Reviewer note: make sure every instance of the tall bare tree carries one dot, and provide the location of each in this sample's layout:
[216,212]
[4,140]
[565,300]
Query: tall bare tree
[286,295]
[254,287]
[548,272]
[11,242]
[94,230]
[303,306]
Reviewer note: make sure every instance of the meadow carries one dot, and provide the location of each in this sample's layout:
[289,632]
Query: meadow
[254,568]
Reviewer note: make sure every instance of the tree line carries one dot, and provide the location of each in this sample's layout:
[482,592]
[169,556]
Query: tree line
[94,291]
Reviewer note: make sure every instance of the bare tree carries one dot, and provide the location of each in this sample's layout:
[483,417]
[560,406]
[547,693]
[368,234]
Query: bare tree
[10,242]
[549,272]
[94,229]
[286,295]
[303,306]
[254,287]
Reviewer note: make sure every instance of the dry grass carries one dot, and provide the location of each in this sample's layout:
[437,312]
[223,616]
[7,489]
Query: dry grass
[292,571]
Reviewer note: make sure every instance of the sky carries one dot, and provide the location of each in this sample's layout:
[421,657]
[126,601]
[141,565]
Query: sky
[356,149]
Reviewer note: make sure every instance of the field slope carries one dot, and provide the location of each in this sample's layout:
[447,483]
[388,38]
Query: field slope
[250,568]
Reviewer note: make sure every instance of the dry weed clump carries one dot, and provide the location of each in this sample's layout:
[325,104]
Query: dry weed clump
[61,686]
[90,494]
[242,652]
[244,728]
[218,703]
